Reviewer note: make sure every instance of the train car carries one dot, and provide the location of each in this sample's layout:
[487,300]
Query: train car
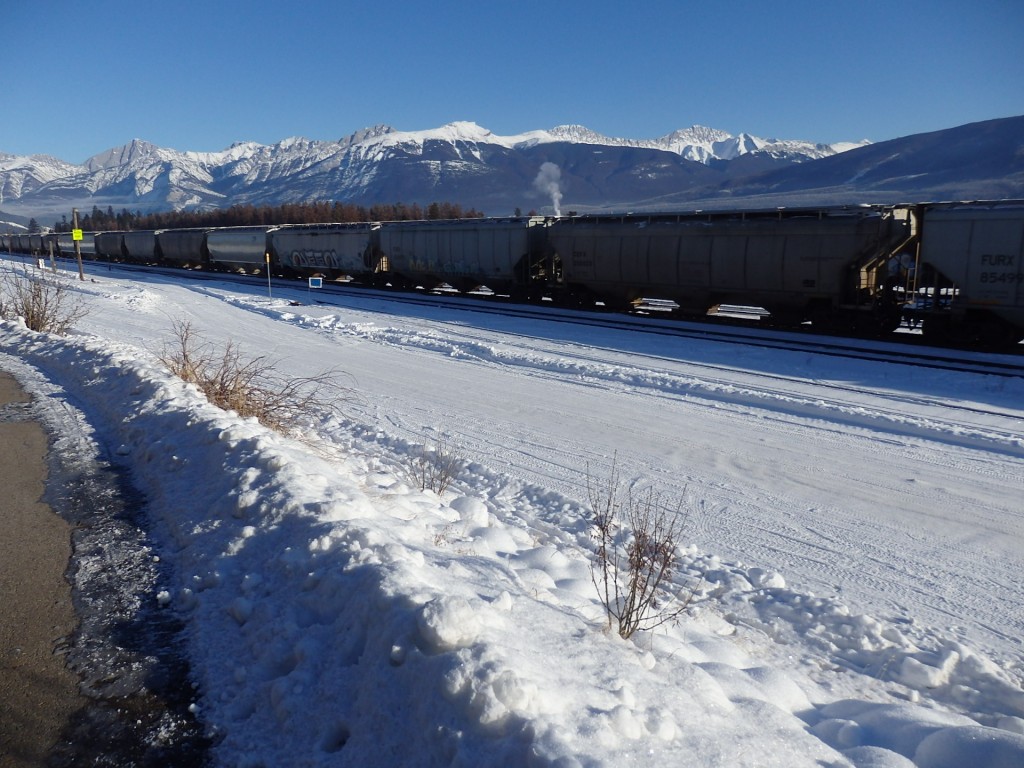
[795,264]
[242,249]
[87,245]
[110,245]
[140,246]
[65,244]
[329,250]
[5,243]
[970,285]
[50,244]
[14,243]
[505,255]
[183,247]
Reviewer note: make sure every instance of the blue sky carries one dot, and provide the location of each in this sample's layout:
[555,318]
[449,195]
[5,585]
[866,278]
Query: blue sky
[78,78]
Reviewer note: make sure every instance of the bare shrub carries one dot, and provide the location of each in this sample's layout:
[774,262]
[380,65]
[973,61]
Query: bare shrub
[249,386]
[634,570]
[46,302]
[435,466]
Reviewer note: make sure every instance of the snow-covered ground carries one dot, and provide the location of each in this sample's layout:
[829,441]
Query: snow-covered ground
[855,531]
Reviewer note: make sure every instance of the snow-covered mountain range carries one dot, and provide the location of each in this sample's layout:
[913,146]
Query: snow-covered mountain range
[141,174]
[465,163]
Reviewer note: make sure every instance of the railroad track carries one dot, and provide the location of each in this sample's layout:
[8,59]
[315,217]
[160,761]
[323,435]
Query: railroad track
[910,352]
[1004,365]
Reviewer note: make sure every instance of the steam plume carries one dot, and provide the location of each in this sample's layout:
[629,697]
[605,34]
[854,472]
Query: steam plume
[547,182]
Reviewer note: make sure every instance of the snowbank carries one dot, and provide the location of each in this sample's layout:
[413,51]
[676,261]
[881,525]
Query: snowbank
[337,613]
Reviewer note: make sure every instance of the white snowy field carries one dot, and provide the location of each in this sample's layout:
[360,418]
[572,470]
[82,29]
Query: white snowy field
[855,531]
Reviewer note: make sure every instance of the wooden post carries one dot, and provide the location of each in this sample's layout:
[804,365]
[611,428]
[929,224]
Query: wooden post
[76,236]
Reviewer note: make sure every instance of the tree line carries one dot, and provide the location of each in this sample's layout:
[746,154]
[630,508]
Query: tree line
[265,215]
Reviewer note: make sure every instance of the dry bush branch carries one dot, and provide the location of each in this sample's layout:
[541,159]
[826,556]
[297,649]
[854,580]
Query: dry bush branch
[435,466]
[45,302]
[248,386]
[634,571]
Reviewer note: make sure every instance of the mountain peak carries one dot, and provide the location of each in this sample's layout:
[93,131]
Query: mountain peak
[698,134]
[578,134]
[367,134]
[123,155]
[466,126]
[465,163]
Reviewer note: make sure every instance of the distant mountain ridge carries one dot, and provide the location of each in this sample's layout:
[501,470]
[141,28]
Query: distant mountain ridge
[465,163]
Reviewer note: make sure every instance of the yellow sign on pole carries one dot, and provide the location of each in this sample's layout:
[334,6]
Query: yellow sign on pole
[76,234]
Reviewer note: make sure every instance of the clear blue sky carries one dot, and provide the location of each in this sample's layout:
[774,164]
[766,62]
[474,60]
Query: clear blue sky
[81,77]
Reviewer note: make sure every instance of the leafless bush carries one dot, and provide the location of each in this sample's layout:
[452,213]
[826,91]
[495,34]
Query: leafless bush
[635,540]
[435,466]
[46,302]
[248,386]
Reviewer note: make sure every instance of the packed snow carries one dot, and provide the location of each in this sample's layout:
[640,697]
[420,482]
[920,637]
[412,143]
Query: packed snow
[853,531]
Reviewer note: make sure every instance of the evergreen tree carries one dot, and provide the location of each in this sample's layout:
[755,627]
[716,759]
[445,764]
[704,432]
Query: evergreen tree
[247,215]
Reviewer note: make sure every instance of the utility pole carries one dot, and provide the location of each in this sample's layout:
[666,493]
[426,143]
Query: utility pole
[76,236]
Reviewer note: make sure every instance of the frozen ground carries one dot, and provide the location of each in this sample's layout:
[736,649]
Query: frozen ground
[858,528]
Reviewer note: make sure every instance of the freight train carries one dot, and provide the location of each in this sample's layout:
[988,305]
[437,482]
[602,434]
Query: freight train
[954,269]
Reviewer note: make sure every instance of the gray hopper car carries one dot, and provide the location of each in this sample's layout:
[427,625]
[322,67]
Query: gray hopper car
[242,249]
[140,246]
[502,254]
[87,245]
[182,247]
[110,245]
[797,265]
[970,284]
[329,250]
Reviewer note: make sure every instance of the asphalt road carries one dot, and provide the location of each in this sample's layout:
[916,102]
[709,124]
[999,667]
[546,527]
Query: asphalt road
[38,694]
